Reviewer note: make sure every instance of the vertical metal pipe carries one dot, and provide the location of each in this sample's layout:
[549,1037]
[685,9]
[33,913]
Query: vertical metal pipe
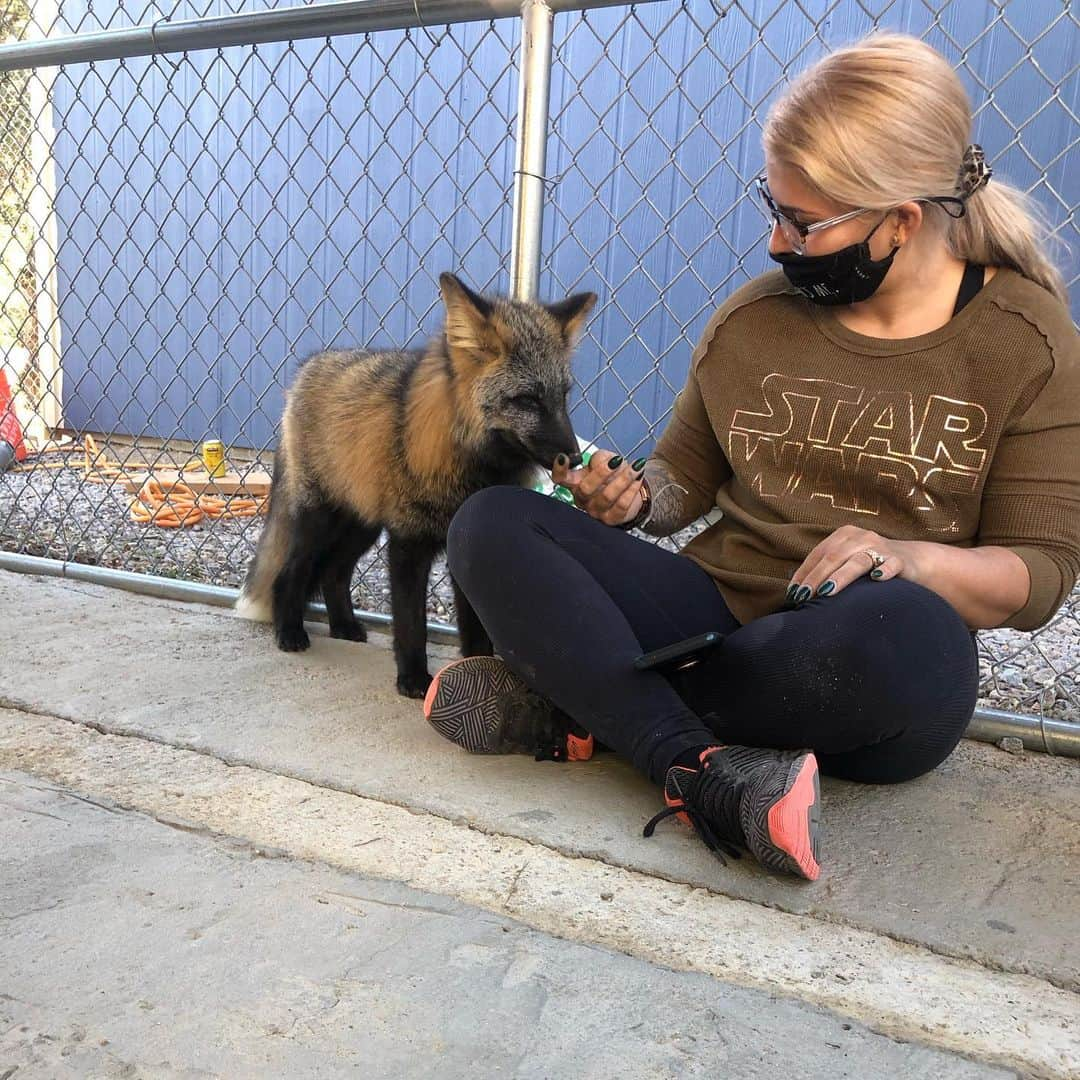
[42,207]
[534,75]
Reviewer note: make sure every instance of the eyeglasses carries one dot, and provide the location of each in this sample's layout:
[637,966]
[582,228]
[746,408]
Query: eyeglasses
[796,233]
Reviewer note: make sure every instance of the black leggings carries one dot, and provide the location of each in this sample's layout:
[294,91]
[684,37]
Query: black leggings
[880,679]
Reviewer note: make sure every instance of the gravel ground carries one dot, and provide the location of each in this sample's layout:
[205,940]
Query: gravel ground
[55,514]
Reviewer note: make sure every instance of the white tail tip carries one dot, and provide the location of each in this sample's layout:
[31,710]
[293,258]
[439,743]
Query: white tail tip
[255,610]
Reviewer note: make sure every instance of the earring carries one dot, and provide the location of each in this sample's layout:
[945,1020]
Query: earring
[895,240]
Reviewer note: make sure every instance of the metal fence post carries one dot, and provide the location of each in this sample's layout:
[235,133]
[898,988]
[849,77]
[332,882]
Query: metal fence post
[534,76]
[42,208]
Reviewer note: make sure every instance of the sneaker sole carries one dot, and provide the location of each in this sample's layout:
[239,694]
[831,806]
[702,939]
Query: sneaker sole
[794,821]
[462,703]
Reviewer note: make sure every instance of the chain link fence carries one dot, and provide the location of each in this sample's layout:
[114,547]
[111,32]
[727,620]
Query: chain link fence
[179,230]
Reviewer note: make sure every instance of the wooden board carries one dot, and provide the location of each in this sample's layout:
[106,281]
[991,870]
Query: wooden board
[254,482]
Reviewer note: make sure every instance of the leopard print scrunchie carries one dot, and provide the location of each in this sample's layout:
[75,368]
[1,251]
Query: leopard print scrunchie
[974,172]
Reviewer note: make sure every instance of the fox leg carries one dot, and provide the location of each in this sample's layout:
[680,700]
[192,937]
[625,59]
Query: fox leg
[410,566]
[355,538]
[311,538]
[474,638]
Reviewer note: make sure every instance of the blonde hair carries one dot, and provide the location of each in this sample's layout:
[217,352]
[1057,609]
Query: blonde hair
[887,120]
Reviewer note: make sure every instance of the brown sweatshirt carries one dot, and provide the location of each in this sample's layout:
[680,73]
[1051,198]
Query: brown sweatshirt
[793,425]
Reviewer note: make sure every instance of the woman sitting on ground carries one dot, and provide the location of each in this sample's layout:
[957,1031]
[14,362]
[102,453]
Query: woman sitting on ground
[890,425]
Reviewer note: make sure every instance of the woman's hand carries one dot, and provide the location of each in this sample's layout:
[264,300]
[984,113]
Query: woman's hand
[608,488]
[986,585]
[846,555]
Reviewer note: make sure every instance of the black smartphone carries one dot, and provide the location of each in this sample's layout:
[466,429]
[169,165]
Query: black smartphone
[682,654]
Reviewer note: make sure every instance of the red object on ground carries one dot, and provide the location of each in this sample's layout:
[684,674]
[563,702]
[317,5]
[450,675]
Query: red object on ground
[10,431]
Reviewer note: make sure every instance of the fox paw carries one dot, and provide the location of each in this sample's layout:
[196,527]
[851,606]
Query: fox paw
[413,686]
[353,631]
[293,640]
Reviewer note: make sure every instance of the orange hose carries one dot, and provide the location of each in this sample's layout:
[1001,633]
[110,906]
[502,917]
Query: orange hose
[176,505]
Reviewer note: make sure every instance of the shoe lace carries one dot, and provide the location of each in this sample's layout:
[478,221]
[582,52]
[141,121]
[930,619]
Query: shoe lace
[710,799]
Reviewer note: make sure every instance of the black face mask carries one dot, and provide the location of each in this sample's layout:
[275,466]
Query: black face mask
[847,276]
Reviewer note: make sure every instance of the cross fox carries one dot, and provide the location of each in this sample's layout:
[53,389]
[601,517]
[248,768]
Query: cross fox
[397,440]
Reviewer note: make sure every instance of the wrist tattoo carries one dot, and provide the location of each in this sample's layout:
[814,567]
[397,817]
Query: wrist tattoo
[667,511]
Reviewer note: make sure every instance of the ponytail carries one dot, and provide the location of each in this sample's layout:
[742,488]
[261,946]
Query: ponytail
[1005,227]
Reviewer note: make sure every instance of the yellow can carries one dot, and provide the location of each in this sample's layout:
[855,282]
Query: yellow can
[213,456]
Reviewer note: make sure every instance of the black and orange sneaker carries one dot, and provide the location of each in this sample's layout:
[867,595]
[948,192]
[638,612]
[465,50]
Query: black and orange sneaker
[481,705]
[766,801]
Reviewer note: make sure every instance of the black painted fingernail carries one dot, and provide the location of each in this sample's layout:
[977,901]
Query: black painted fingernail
[876,574]
[792,589]
[826,588]
[615,462]
[561,460]
[803,594]
[639,464]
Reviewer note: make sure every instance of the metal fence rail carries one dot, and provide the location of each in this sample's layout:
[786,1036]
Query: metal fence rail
[195,199]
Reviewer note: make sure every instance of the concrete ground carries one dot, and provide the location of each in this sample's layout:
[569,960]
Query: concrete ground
[221,860]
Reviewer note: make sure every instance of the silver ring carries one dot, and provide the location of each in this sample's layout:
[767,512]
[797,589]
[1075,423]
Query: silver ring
[875,557]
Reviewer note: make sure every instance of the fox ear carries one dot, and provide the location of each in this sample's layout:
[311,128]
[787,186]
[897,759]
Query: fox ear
[571,313]
[469,328]
[456,293]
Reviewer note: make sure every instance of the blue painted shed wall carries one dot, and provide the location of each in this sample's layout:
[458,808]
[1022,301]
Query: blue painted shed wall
[207,244]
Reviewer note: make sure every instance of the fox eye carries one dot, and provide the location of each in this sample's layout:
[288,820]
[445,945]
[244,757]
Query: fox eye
[527,401]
